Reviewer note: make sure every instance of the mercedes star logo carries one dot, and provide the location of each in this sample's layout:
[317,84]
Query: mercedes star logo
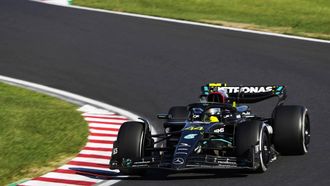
[178,161]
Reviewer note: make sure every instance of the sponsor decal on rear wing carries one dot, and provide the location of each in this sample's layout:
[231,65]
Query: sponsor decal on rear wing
[246,94]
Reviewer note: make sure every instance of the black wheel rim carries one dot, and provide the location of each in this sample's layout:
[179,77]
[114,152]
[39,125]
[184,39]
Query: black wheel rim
[307,132]
[265,151]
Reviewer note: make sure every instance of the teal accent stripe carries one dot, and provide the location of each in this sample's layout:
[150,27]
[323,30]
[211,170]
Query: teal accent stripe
[279,88]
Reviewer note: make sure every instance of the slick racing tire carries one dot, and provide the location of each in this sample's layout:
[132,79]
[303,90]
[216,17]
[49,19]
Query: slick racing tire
[291,130]
[178,113]
[130,143]
[247,136]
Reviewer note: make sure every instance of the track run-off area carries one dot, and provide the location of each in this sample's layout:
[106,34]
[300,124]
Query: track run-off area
[91,165]
[146,66]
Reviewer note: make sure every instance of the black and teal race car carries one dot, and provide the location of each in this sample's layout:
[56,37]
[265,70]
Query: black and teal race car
[219,132]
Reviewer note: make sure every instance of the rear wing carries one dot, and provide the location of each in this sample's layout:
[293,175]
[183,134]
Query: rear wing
[246,94]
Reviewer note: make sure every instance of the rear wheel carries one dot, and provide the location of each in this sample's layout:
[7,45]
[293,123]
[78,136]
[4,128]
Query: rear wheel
[291,130]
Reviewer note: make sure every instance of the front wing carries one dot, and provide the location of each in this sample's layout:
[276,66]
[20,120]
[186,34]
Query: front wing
[192,162]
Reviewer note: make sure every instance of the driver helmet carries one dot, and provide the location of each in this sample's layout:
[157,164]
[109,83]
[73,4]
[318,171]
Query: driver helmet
[212,115]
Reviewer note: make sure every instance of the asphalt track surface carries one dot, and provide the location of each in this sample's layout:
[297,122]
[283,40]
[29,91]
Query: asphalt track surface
[146,66]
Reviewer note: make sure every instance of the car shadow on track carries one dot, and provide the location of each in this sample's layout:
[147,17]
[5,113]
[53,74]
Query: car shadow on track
[196,174]
[161,174]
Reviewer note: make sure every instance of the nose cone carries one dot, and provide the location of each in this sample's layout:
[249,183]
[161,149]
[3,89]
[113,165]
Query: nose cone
[185,147]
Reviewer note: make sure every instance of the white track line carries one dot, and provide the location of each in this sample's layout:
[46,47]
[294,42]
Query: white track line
[103,131]
[68,96]
[91,116]
[104,126]
[91,110]
[96,114]
[95,152]
[105,120]
[102,138]
[91,160]
[191,23]
[72,177]
[99,145]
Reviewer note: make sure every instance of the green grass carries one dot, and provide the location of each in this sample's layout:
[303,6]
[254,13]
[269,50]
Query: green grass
[37,133]
[309,18]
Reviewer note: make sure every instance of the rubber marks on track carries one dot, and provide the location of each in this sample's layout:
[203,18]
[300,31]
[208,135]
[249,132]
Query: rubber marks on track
[91,165]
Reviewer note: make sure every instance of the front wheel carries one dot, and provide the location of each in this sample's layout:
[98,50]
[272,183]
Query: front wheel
[252,134]
[130,144]
[264,150]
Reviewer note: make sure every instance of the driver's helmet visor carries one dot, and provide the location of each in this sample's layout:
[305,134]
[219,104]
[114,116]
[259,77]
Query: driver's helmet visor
[213,111]
[212,115]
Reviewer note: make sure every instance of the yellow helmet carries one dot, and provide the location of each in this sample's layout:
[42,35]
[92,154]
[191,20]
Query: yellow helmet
[214,119]
[212,115]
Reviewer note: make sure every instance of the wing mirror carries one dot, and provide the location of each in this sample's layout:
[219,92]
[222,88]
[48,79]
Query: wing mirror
[163,116]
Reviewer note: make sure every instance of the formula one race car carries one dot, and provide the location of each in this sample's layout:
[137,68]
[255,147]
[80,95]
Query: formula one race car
[219,132]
